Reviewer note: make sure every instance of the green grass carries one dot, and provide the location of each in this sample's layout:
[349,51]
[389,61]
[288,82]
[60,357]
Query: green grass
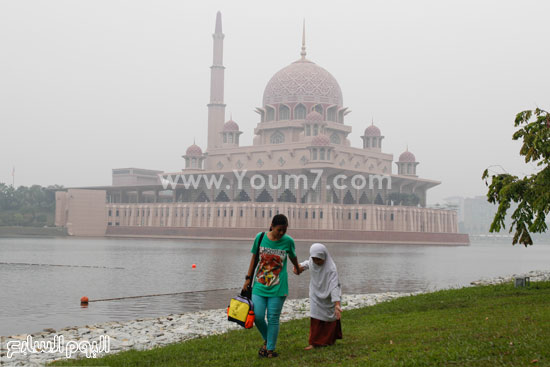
[476,326]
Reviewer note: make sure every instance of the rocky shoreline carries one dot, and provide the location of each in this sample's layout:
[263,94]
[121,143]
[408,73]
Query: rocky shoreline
[147,333]
[534,276]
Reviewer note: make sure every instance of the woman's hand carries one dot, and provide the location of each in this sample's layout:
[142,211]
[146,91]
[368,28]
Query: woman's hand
[298,270]
[246,284]
[338,312]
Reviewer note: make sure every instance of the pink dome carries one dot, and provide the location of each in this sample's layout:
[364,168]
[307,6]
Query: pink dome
[230,126]
[320,140]
[194,150]
[372,131]
[407,157]
[303,81]
[314,116]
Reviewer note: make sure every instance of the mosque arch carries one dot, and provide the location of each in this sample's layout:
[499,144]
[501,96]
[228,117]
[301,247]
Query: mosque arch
[364,199]
[287,196]
[348,198]
[284,112]
[264,197]
[341,117]
[277,138]
[202,198]
[331,113]
[242,196]
[222,197]
[270,113]
[300,112]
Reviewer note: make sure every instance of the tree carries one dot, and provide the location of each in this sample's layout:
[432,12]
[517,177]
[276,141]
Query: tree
[531,193]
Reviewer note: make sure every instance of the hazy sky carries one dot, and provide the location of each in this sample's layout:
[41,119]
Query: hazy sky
[87,86]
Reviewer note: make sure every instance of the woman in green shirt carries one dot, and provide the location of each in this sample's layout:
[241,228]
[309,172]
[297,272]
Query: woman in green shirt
[271,280]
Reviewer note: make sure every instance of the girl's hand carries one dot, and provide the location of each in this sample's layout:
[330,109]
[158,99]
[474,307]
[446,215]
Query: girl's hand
[338,312]
[298,270]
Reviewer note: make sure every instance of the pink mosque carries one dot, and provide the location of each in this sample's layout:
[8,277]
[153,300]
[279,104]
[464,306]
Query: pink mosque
[301,164]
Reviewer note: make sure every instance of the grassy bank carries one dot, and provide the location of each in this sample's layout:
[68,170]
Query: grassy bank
[20,231]
[477,326]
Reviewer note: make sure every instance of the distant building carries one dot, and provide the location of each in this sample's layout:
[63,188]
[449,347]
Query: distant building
[135,176]
[477,215]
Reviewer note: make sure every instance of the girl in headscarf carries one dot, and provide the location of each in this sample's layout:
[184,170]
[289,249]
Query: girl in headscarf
[324,297]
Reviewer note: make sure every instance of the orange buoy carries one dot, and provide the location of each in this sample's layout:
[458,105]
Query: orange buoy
[84,300]
[194,266]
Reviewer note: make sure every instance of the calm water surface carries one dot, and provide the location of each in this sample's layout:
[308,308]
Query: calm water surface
[35,295]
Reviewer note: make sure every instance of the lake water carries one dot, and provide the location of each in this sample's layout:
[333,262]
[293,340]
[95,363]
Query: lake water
[35,294]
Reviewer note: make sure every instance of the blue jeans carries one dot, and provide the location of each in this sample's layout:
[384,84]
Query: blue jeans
[269,330]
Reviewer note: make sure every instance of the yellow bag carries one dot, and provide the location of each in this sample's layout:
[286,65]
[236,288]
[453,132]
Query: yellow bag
[241,311]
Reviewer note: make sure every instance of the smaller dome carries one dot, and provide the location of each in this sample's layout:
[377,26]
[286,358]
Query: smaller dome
[230,126]
[320,140]
[407,157]
[314,116]
[372,131]
[194,150]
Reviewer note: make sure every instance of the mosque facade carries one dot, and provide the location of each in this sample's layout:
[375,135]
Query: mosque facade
[301,164]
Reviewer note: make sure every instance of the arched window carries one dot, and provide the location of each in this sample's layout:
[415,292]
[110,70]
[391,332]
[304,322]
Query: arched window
[315,129]
[308,130]
[335,138]
[277,138]
[341,117]
[284,112]
[225,138]
[328,155]
[331,114]
[318,108]
[270,113]
[300,112]
[322,154]
[230,138]
[314,154]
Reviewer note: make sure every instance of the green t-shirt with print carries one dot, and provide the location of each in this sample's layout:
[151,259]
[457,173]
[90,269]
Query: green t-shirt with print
[271,277]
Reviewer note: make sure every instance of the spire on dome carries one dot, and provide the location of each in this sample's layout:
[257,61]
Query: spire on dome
[303,53]
[218,22]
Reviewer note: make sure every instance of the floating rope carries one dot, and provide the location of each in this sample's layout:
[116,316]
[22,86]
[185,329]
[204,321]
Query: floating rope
[67,266]
[161,294]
